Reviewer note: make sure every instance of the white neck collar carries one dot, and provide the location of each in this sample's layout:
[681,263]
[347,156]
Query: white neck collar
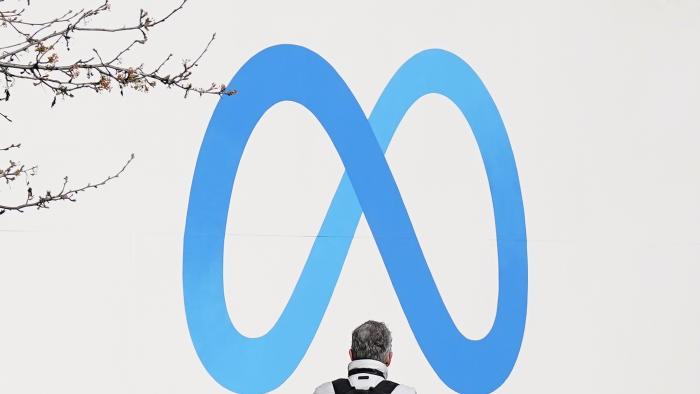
[371,364]
[364,381]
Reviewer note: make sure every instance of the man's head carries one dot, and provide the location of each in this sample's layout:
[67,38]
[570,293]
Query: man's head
[371,340]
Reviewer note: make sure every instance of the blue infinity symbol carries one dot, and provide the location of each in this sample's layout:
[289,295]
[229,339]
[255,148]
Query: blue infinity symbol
[293,73]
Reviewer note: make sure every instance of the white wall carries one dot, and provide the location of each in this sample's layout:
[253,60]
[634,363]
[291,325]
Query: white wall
[600,102]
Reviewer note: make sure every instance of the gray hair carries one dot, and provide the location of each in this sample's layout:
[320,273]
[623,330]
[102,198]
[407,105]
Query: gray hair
[371,340]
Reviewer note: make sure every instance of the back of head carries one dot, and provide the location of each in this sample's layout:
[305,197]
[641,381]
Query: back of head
[371,340]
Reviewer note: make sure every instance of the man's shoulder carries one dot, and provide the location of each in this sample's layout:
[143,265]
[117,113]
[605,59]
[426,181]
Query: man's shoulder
[326,388]
[403,389]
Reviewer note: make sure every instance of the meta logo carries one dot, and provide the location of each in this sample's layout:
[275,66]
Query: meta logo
[292,73]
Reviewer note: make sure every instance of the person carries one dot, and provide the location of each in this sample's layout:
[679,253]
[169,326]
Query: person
[370,356]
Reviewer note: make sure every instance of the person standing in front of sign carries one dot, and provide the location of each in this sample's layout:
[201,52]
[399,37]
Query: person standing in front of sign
[370,356]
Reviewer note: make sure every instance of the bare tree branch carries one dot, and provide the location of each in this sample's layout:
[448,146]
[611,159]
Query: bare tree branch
[65,194]
[37,51]
[37,54]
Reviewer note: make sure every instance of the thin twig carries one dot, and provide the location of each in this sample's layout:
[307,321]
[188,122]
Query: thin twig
[13,146]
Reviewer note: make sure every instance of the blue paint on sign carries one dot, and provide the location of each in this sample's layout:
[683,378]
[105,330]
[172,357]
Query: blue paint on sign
[293,73]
